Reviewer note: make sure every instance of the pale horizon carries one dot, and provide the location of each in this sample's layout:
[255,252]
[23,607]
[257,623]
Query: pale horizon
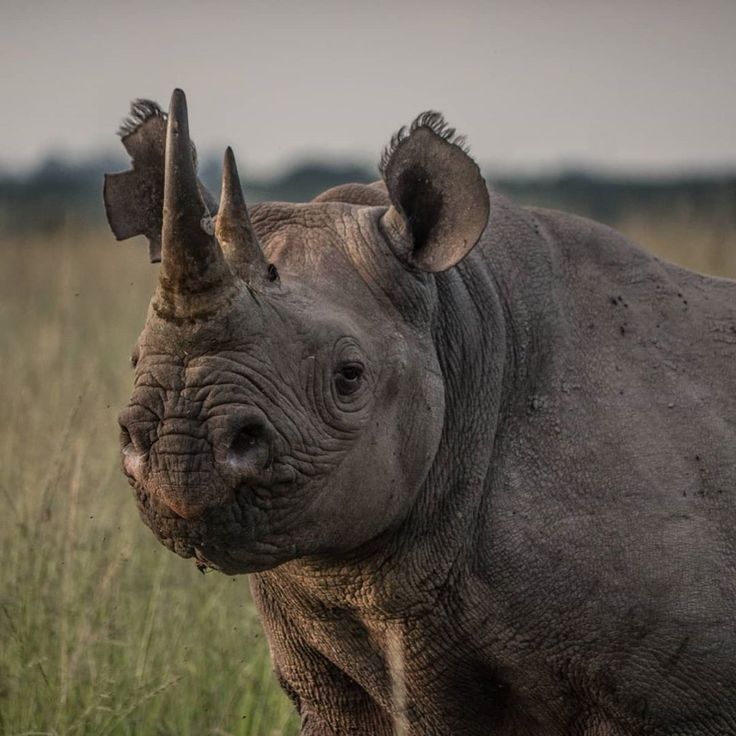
[642,88]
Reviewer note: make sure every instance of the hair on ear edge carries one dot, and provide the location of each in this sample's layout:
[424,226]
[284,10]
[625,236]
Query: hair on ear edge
[141,111]
[429,119]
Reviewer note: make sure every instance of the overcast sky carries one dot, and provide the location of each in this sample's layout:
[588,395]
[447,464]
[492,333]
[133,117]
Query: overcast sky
[642,85]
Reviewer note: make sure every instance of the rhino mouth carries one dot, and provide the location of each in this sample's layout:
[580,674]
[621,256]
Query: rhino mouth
[227,538]
[234,562]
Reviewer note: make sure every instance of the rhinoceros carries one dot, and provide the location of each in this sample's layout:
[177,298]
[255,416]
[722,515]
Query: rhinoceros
[478,458]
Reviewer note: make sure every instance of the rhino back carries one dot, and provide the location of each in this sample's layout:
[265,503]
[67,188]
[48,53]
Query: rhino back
[609,503]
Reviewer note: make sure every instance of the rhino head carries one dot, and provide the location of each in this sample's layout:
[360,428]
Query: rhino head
[288,398]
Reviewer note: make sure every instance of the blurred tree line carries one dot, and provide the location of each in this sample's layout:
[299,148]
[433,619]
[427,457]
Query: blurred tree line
[61,193]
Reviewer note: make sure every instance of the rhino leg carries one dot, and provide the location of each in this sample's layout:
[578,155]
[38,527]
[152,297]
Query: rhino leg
[328,701]
[313,725]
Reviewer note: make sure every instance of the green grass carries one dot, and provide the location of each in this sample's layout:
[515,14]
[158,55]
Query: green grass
[102,631]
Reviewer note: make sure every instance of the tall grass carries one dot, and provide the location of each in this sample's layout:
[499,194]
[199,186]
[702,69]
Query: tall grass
[102,631]
[685,237]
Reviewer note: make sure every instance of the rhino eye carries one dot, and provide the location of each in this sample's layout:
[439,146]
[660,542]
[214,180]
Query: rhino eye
[348,378]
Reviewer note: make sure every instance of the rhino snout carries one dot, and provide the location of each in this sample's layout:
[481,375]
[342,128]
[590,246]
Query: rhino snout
[242,457]
[188,469]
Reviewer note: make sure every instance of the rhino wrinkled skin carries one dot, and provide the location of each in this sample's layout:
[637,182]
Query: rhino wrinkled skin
[478,457]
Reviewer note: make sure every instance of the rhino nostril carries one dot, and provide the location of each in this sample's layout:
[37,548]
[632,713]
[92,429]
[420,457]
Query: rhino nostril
[250,449]
[246,439]
[125,439]
[132,452]
[135,432]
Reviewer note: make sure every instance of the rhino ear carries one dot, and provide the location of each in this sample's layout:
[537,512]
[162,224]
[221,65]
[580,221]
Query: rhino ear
[439,200]
[134,198]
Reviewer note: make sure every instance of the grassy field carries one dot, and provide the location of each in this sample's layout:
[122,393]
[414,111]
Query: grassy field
[102,631]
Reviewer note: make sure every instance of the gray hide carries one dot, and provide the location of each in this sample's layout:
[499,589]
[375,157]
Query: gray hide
[489,493]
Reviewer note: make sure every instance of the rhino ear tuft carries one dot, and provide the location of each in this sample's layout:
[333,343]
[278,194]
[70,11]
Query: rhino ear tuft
[439,199]
[141,111]
[134,198]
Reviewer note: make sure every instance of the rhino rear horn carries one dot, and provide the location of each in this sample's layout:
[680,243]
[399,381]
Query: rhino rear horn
[134,199]
[192,262]
[234,230]
[439,200]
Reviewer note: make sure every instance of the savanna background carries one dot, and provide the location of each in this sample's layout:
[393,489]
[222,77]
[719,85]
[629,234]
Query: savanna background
[622,112]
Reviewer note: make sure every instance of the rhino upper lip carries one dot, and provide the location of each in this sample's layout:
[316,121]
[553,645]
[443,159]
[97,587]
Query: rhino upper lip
[210,538]
[153,508]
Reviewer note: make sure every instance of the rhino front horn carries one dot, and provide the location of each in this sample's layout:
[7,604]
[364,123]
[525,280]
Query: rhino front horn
[192,263]
[234,230]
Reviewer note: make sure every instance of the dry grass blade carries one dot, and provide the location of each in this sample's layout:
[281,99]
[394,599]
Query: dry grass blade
[398,682]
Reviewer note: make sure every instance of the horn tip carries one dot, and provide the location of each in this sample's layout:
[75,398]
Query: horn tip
[230,176]
[229,159]
[178,104]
